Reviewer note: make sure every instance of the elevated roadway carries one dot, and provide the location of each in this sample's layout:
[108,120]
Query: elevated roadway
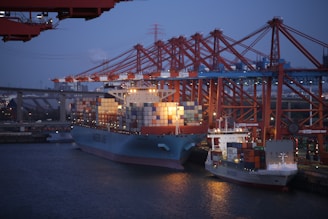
[61,93]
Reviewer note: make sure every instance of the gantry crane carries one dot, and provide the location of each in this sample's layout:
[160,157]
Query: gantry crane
[13,26]
[232,78]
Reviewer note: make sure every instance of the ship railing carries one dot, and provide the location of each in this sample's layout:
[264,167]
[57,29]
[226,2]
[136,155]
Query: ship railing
[226,131]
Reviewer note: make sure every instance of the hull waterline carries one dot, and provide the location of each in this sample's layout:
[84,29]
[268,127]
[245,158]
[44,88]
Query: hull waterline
[155,150]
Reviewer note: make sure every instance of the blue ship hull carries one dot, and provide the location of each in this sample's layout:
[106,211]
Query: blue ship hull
[155,150]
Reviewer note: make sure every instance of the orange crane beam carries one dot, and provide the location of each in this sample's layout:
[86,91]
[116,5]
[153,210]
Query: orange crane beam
[15,30]
[87,9]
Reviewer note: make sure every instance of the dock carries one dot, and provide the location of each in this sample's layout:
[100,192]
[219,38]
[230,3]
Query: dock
[312,178]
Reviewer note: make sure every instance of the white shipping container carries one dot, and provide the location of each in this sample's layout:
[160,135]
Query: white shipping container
[232,150]
[231,157]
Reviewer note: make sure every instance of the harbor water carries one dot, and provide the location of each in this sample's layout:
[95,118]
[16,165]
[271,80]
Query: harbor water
[52,180]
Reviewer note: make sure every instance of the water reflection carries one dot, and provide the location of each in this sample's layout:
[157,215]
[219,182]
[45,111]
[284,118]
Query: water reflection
[57,181]
[217,193]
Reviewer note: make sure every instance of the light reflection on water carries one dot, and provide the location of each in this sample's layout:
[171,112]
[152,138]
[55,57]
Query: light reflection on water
[218,196]
[59,181]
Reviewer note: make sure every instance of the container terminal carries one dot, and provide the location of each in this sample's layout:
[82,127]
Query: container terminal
[260,90]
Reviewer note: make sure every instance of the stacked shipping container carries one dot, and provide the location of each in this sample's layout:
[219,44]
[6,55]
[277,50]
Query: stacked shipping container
[134,116]
[162,114]
[154,114]
[106,112]
[90,111]
[84,110]
[192,112]
[244,153]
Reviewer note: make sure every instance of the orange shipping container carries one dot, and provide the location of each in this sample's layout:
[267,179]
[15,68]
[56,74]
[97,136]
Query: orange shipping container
[257,165]
[249,152]
[249,159]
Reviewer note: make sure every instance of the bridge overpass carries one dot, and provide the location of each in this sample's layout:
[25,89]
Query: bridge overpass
[62,95]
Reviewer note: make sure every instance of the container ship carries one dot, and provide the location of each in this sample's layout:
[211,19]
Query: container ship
[134,125]
[233,158]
